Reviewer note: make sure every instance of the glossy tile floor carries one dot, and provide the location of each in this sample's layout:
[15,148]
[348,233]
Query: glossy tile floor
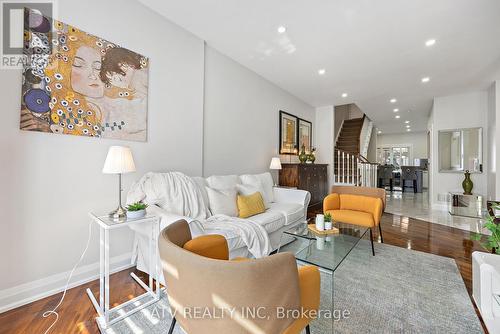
[409,204]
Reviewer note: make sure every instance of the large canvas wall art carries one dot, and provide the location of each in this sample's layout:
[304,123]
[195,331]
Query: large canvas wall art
[78,84]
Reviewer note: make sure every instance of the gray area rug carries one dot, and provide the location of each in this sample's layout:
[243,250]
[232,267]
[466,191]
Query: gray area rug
[397,291]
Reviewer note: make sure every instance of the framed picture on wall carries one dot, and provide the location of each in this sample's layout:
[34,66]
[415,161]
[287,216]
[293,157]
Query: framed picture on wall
[288,124]
[75,83]
[305,134]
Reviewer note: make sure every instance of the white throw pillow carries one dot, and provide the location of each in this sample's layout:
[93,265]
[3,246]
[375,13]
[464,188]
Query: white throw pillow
[247,189]
[223,182]
[222,201]
[264,181]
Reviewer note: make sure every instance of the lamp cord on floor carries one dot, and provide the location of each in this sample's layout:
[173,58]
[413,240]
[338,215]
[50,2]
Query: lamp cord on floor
[53,311]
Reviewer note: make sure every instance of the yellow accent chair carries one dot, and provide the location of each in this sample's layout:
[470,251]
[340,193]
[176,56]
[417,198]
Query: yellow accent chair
[357,206]
[198,276]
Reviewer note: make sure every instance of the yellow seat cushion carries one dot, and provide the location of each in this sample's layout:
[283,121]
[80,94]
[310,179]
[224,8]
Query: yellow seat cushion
[250,205]
[352,217]
[213,246]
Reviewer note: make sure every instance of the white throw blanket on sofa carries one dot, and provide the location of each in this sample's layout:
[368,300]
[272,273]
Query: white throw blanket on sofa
[174,192]
[253,235]
[177,193]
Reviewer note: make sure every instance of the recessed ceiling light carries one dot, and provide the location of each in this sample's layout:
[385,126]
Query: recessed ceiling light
[407,126]
[321,71]
[344,95]
[426,79]
[408,130]
[430,42]
[407,122]
[393,100]
[397,116]
[379,132]
[281,29]
[395,109]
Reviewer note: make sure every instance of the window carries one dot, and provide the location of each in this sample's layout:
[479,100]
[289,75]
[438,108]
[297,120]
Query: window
[397,155]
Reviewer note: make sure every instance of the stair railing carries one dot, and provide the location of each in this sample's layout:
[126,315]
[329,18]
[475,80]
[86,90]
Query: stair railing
[354,169]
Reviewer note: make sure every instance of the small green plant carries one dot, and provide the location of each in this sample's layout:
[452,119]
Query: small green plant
[137,206]
[492,243]
[328,217]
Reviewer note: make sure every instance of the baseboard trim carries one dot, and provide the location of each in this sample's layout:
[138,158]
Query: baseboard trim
[29,292]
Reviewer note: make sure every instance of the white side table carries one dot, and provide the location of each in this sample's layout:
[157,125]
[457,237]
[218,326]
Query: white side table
[106,224]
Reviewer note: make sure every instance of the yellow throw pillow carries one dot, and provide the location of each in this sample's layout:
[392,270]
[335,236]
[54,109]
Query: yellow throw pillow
[250,205]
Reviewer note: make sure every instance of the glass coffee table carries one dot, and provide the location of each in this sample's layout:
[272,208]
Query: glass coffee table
[327,252]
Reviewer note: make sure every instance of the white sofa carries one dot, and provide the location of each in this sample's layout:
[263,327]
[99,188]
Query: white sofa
[287,208]
[485,284]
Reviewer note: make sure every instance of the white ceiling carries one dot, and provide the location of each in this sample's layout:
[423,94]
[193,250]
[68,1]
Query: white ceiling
[372,49]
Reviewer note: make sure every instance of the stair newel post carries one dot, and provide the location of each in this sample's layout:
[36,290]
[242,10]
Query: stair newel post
[357,171]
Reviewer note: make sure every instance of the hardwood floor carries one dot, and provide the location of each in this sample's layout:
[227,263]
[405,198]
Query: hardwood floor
[77,313]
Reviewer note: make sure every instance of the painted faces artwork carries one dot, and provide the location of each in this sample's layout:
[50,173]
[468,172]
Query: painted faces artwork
[76,83]
[85,73]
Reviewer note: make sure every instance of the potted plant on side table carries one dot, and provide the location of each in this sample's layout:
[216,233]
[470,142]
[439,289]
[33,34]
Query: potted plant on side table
[136,210]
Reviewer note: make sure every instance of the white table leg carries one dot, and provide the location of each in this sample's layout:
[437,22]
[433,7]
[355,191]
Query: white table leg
[101,268]
[157,256]
[151,238]
[106,277]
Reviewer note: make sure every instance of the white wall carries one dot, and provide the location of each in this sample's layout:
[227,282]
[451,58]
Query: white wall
[324,139]
[242,117]
[454,112]
[497,140]
[372,147]
[491,143]
[50,182]
[418,141]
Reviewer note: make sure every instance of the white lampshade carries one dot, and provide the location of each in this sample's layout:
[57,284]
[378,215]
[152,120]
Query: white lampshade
[119,161]
[275,163]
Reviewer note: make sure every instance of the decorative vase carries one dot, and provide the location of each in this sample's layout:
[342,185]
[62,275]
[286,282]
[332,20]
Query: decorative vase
[136,214]
[467,184]
[320,222]
[311,157]
[303,155]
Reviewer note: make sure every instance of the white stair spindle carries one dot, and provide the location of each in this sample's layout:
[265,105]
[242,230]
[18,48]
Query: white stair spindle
[353,172]
[338,166]
[348,158]
[343,167]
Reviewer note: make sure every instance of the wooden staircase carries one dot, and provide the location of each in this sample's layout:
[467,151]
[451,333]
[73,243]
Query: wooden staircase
[350,167]
[348,140]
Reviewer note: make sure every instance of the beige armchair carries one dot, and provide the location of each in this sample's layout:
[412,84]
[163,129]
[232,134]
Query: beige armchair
[209,294]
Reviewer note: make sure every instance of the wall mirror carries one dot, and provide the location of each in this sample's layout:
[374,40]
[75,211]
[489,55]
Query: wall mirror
[461,150]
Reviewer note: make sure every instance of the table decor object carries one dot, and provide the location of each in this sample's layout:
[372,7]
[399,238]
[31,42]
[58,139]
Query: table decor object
[136,210]
[119,161]
[320,222]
